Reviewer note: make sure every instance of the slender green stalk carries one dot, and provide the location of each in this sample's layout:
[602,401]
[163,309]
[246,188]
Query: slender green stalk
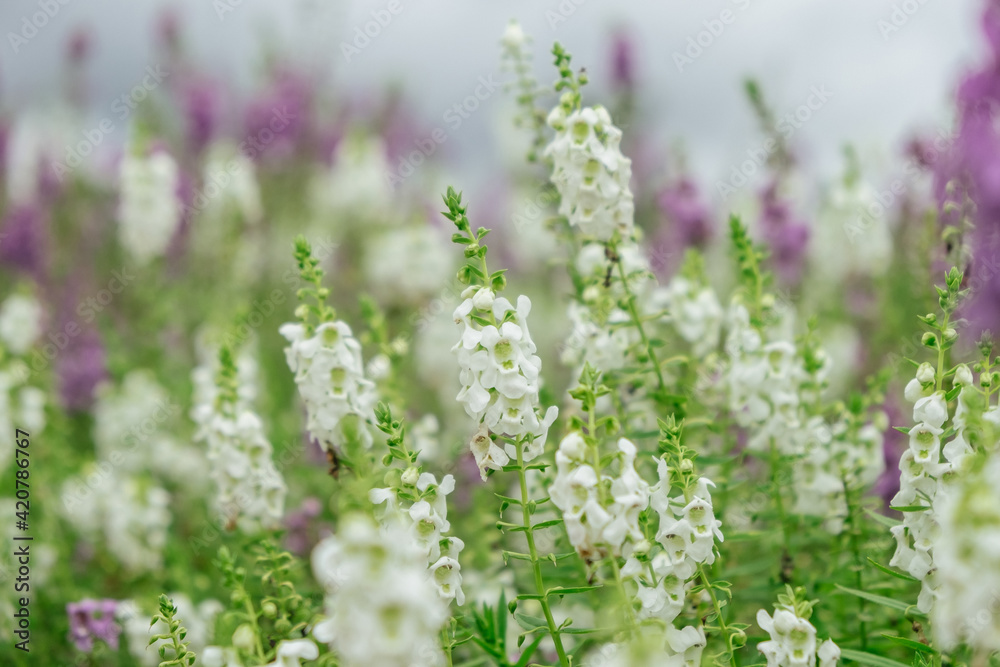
[852,517]
[718,614]
[536,565]
[637,320]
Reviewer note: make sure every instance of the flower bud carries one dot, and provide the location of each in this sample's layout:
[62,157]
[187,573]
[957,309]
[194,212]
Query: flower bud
[925,373]
[483,300]
[244,637]
[269,609]
[963,375]
[410,476]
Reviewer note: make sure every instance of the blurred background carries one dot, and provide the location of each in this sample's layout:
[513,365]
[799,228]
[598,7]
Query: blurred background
[890,66]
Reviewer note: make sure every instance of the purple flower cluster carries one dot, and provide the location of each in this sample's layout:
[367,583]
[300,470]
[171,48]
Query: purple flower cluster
[91,620]
[786,236]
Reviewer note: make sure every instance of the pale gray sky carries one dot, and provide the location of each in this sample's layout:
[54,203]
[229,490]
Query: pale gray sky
[882,84]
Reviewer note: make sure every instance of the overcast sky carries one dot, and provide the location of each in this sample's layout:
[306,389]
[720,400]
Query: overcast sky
[882,82]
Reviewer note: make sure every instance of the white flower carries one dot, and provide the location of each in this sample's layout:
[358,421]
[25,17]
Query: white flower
[793,641]
[382,607]
[149,211]
[695,313]
[514,37]
[931,409]
[329,372]
[590,172]
[20,322]
[291,653]
[250,490]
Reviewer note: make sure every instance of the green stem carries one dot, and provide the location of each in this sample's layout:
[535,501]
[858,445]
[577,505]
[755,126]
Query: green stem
[856,549]
[779,501]
[252,615]
[634,312]
[718,614]
[536,565]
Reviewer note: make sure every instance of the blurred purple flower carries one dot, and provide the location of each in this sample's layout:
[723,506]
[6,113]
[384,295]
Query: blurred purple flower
[786,236]
[894,443]
[302,531]
[91,620]
[688,223]
[623,60]
[277,120]
[22,239]
[81,366]
[973,168]
[201,106]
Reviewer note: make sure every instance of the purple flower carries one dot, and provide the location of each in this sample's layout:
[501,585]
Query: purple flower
[302,532]
[276,122]
[972,169]
[623,60]
[200,102]
[22,239]
[786,236]
[689,223]
[81,367]
[91,620]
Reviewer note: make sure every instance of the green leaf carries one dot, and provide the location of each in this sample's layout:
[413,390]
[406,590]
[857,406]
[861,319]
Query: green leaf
[529,651]
[886,521]
[910,643]
[869,659]
[529,622]
[891,572]
[910,508]
[908,609]
[570,590]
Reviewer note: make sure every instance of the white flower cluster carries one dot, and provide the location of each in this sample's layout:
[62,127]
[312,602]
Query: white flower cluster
[406,265]
[132,431]
[601,512]
[230,179]
[590,172]
[776,396]
[149,210]
[687,533]
[600,332]
[925,465]
[653,648]
[845,451]
[204,387]
[339,399]
[20,323]
[382,609]
[793,641]
[356,185]
[500,377]
[427,520]
[250,490]
[130,515]
[968,560]
[694,312]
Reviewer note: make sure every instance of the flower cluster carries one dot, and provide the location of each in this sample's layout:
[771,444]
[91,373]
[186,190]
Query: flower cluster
[381,607]
[590,172]
[149,211]
[250,490]
[598,520]
[417,500]
[793,638]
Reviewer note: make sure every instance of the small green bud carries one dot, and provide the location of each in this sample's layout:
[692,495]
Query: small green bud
[244,637]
